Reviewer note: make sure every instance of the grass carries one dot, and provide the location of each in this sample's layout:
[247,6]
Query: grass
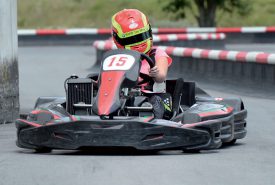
[97,13]
[262,14]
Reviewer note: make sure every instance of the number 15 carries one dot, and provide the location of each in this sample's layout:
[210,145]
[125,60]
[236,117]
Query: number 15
[117,61]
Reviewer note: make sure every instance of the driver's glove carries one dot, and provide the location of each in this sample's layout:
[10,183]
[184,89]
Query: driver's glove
[153,72]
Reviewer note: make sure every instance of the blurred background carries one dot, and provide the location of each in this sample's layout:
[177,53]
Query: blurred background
[162,13]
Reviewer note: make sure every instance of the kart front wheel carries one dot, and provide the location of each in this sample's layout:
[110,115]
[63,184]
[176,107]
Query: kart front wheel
[230,142]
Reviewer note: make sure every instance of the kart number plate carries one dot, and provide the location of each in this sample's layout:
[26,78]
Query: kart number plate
[121,62]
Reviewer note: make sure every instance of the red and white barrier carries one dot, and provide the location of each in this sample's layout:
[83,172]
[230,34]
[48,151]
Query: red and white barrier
[157,38]
[81,31]
[241,56]
[190,36]
[168,37]
[216,30]
[93,31]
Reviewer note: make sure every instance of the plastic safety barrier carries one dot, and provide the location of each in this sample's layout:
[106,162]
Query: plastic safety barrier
[78,31]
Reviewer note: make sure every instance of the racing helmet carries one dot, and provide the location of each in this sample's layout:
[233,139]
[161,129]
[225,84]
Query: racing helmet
[131,30]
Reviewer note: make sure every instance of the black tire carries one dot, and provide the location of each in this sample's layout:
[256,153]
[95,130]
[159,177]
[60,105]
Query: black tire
[230,143]
[43,150]
[191,151]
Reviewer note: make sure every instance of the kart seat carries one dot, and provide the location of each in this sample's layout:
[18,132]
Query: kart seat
[175,88]
[177,95]
[93,76]
[189,94]
[183,93]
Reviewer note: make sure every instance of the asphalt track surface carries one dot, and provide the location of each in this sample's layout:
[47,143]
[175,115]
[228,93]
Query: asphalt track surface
[42,71]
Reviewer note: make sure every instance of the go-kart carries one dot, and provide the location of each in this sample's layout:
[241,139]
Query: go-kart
[111,109]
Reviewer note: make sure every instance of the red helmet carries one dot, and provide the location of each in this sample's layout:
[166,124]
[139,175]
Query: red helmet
[131,30]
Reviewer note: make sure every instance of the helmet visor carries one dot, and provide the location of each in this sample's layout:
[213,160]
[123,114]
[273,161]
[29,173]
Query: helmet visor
[133,39]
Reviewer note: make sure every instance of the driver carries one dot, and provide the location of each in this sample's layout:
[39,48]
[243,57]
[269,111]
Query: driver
[131,30]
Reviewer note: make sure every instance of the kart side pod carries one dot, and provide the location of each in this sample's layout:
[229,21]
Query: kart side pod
[205,111]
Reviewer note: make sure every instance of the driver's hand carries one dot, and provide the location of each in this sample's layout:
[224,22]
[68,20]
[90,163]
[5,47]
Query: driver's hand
[153,72]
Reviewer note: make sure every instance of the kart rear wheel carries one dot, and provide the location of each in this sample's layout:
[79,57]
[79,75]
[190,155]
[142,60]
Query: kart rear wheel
[191,151]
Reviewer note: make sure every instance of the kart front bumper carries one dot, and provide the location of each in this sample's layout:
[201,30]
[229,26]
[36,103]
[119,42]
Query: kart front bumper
[153,135]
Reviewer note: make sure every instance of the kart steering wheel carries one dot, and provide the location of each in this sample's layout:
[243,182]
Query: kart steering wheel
[145,77]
